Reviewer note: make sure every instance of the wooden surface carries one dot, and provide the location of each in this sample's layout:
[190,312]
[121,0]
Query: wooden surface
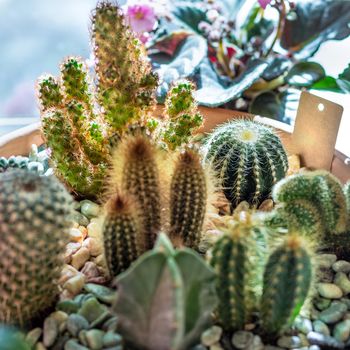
[19,142]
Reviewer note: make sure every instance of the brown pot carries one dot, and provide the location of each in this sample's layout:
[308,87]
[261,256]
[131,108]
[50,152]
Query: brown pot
[19,141]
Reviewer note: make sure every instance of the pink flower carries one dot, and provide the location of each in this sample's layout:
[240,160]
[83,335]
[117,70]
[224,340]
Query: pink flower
[142,18]
[264,3]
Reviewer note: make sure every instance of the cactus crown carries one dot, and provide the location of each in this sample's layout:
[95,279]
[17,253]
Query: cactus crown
[248,158]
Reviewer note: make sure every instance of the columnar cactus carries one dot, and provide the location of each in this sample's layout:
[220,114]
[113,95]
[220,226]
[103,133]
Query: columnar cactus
[173,290]
[248,158]
[287,280]
[33,223]
[188,199]
[121,233]
[237,260]
[347,198]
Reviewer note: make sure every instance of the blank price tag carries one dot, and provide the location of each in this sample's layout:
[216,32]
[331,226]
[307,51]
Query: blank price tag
[315,131]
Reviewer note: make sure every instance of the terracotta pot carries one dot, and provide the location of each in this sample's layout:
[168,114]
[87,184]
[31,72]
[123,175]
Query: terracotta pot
[19,142]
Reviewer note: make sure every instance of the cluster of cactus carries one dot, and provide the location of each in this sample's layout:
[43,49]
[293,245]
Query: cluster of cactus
[252,279]
[82,121]
[248,158]
[316,204]
[161,302]
[144,173]
[33,220]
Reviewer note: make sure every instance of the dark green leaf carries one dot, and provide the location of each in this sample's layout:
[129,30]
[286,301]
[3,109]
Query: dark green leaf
[282,106]
[276,68]
[305,74]
[212,93]
[327,83]
[312,23]
[344,80]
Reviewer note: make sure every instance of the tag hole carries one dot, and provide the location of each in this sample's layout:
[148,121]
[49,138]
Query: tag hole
[320,107]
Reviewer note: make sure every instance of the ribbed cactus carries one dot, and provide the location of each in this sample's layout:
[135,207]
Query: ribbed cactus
[287,280]
[188,199]
[33,220]
[237,258]
[165,299]
[121,233]
[181,114]
[248,158]
[80,119]
[347,198]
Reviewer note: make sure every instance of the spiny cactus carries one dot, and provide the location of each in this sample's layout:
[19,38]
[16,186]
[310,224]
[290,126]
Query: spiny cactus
[237,259]
[188,199]
[175,301]
[347,198]
[248,158]
[33,212]
[121,233]
[287,280]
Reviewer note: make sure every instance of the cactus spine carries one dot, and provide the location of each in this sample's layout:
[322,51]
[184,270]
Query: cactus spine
[287,280]
[188,199]
[121,233]
[33,212]
[248,158]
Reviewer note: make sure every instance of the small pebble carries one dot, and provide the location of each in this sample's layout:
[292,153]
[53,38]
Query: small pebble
[302,324]
[40,346]
[80,258]
[75,323]
[321,327]
[104,294]
[211,336]
[326,260]
[341,266]
[242,339]
[112,339]
[68,272]
[111,324]
[216,346]
[33,336]
[341,331]
[256,344]
[329,290]
[342,281]
[50,331]
[90,270]
[75,284]
[59,316]
[324,341]
[72,344]
[75,235]
[92,309]
[68,306]
[79,218]
[334,313]
[94,338]
[322,303]
[289,342]
[89,209]
[95,228]
[94,245]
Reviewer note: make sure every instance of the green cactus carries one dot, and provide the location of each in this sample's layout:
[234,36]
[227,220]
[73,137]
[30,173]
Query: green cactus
[33,212]
[237,258]
[347,199]
[248,158]
[182,115]
[188,199]
[121,233]
[11,339]
[161,303]
[287,280]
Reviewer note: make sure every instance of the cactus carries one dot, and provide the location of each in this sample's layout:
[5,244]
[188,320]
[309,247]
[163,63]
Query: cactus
[161,303]
[182,115]
[238,258]
[287,280]
[248,158]
[33,212]
[188,199]
[347,199]
[11,339]
[121,233]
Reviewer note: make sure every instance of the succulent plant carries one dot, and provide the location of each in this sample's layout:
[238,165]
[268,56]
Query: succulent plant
[347,198]
[33,212]
[121,233]
[163,304]
[237,258]
[11,339]
[287,281]
[248,158]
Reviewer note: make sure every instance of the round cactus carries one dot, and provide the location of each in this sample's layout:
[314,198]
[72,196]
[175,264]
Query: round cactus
[248,158]
[33,212]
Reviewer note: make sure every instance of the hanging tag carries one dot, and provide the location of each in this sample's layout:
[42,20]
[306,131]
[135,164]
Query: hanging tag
[315,131]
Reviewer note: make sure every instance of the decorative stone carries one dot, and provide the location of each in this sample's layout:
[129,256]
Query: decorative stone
[40,346]
[334,313]
[216,346]
[90,270]
[80,258]
[242,339]
[329,290]
[321,327]
[324,341]
[94,245]
[94,338]
[111,324]
[112,339]
[322,303]
[289,342]
[83,231]
[75,323]
[95,228]
[68,272]
[105,294]
[256,344]
[211,336]
[79,218]
[99,321]
[59,316]
[346,301]
[75,284]
[326,260]
[89,209]
[72,344]
[342,281]
[75,235]
[341,331]
[341,266]
[33,336]
[304,325]
[68,306]
[92,309]
[325,275]
[50,331]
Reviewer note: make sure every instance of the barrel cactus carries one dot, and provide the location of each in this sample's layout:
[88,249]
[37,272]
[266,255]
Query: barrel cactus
[161,302]
[249,159]
[33,223]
